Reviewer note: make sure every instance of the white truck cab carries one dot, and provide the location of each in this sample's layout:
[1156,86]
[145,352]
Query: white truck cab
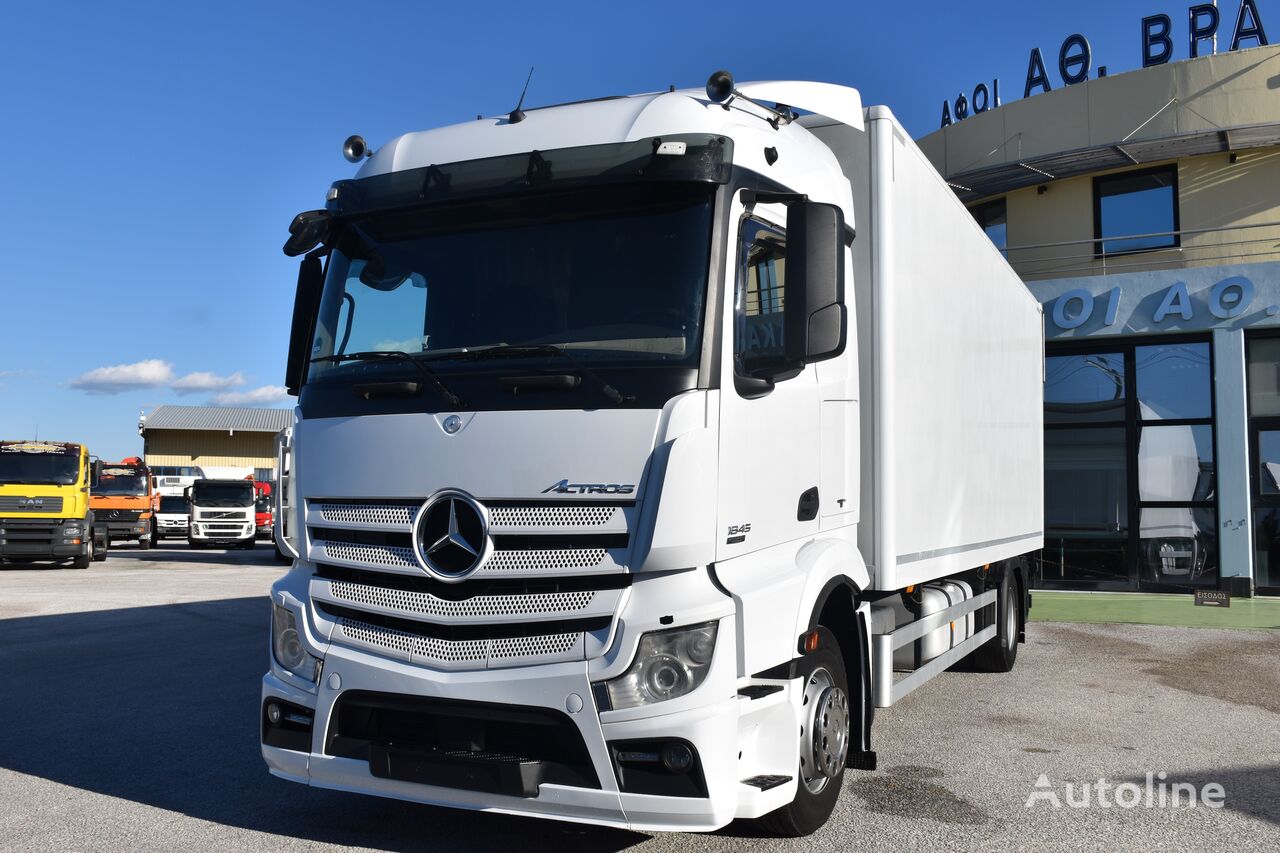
[174,516]
[644,447]
[221,514]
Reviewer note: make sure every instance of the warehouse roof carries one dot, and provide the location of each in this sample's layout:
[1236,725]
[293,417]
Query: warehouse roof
[219,418]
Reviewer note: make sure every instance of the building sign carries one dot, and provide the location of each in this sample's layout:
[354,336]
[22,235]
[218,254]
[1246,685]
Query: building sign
[1075,55]
[1231,296]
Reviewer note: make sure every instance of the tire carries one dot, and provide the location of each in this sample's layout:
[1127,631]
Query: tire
[818,782]
[249,545]
[144,544]
[83,561]
[195,546]
[1001,652]
[100,550]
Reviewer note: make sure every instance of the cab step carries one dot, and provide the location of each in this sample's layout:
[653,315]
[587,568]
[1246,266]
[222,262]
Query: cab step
[764,783]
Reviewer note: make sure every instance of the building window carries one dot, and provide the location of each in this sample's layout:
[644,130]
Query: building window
[1264,441]
[993,219]
[1136,211]
[1130,492]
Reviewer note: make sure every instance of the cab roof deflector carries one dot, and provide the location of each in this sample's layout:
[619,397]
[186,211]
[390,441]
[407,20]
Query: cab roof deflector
[838,103]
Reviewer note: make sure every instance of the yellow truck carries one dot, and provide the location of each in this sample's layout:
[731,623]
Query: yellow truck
[44,504]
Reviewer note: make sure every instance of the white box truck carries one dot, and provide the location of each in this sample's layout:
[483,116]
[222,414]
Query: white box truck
[644,447]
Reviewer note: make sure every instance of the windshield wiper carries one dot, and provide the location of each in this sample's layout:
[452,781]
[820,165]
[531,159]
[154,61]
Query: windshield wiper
[396,355]
[612,394]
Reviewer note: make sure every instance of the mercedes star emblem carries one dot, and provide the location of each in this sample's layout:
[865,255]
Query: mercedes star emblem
[452,535]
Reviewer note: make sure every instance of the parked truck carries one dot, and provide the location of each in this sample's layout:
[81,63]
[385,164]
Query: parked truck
[125,500]
[222,514]
[45,511]
[644,448]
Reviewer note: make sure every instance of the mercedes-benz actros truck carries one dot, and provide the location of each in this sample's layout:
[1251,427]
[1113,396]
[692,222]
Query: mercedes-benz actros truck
[644,448]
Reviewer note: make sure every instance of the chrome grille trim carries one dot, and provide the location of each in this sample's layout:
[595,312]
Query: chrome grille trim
[507,564]
[479,610]
[460,654]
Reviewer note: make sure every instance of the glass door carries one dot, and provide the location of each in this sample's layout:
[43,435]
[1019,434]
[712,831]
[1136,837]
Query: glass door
[1264,455]
[1130,498]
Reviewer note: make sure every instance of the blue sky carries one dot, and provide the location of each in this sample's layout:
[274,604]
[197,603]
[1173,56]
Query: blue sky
[158,151]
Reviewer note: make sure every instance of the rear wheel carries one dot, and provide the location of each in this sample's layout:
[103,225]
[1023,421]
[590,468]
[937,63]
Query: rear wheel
[824,743]
[1001,652]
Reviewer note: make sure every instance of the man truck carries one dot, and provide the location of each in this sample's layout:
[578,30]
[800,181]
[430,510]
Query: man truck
[644,448]
[222,514]
[126,501]
[44,504]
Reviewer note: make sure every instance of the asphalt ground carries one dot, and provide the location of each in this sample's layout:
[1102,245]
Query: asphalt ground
[129,702]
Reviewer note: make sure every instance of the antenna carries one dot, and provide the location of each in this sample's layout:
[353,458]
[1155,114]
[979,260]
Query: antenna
[517,115]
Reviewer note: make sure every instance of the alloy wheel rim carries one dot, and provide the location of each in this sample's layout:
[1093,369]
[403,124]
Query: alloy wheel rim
[824,734]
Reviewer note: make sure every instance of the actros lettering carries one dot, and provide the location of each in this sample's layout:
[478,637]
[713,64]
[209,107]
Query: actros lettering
[564,487]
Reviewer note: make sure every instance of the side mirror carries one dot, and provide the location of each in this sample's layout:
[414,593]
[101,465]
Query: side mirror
[307,230]
[816,320]
[305,302]
[96,474]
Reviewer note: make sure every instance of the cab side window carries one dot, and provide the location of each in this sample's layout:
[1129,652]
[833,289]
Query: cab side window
[760,298]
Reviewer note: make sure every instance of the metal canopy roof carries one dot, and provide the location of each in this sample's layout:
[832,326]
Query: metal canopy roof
[995,180]
[218,418]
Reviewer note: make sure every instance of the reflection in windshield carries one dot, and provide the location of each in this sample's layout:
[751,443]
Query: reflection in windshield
[222,494]
[615,276]
[58,469]
[126,485]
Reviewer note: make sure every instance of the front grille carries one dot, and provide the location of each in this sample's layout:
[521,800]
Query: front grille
[119,514]
[548,592]
[22,503]
[14,531]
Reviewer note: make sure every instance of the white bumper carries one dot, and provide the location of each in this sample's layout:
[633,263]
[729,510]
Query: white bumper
[711,727]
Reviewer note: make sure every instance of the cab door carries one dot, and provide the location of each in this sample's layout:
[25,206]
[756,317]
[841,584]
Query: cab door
[769,430]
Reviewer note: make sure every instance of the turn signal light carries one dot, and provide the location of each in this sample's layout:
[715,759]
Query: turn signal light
[809,642]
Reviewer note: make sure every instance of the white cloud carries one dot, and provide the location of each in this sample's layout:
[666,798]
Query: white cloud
[206,381]
[266,395]
[149,373]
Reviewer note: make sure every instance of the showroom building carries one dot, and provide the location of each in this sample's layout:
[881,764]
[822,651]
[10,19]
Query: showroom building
[222,441]
[1143,211]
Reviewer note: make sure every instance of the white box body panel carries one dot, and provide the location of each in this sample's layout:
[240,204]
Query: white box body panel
[950,346]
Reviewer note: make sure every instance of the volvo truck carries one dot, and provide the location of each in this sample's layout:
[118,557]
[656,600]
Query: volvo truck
[125,501]
[645,448]
[221,514]
[45,514]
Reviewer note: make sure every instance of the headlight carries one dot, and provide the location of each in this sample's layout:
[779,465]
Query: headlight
[71,530]
[287,645]
[668,665]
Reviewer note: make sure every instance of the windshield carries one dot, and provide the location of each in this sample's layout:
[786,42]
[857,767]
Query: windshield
[22,463]
[125,482]
[616,276]
[222,494]
[173,504]
[263,505]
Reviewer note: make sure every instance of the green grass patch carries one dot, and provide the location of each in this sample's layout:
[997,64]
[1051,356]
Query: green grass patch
[1152,609]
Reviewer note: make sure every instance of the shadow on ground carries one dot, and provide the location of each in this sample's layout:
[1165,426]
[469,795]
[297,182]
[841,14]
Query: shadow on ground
[158,705]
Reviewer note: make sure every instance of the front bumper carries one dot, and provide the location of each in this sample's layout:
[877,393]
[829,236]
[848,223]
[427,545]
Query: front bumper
[229,533]
[120,530]
[711,727]
[32,539]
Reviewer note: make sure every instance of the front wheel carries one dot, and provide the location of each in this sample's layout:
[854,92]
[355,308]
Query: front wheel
[824,743]
[144,544]
[83,561]
[100,549]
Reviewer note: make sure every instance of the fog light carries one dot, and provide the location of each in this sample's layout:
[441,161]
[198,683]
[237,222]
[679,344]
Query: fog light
[273,714]
[677,758]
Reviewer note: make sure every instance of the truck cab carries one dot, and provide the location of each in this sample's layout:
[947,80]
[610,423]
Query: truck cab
[125,500]
[45,511]
[591,497]
[222,514]
[173,516]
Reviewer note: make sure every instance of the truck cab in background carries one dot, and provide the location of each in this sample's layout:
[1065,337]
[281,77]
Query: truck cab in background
[125,500]
[45,511]
[173,516]
[175,479]
[264,514]
[222,514]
